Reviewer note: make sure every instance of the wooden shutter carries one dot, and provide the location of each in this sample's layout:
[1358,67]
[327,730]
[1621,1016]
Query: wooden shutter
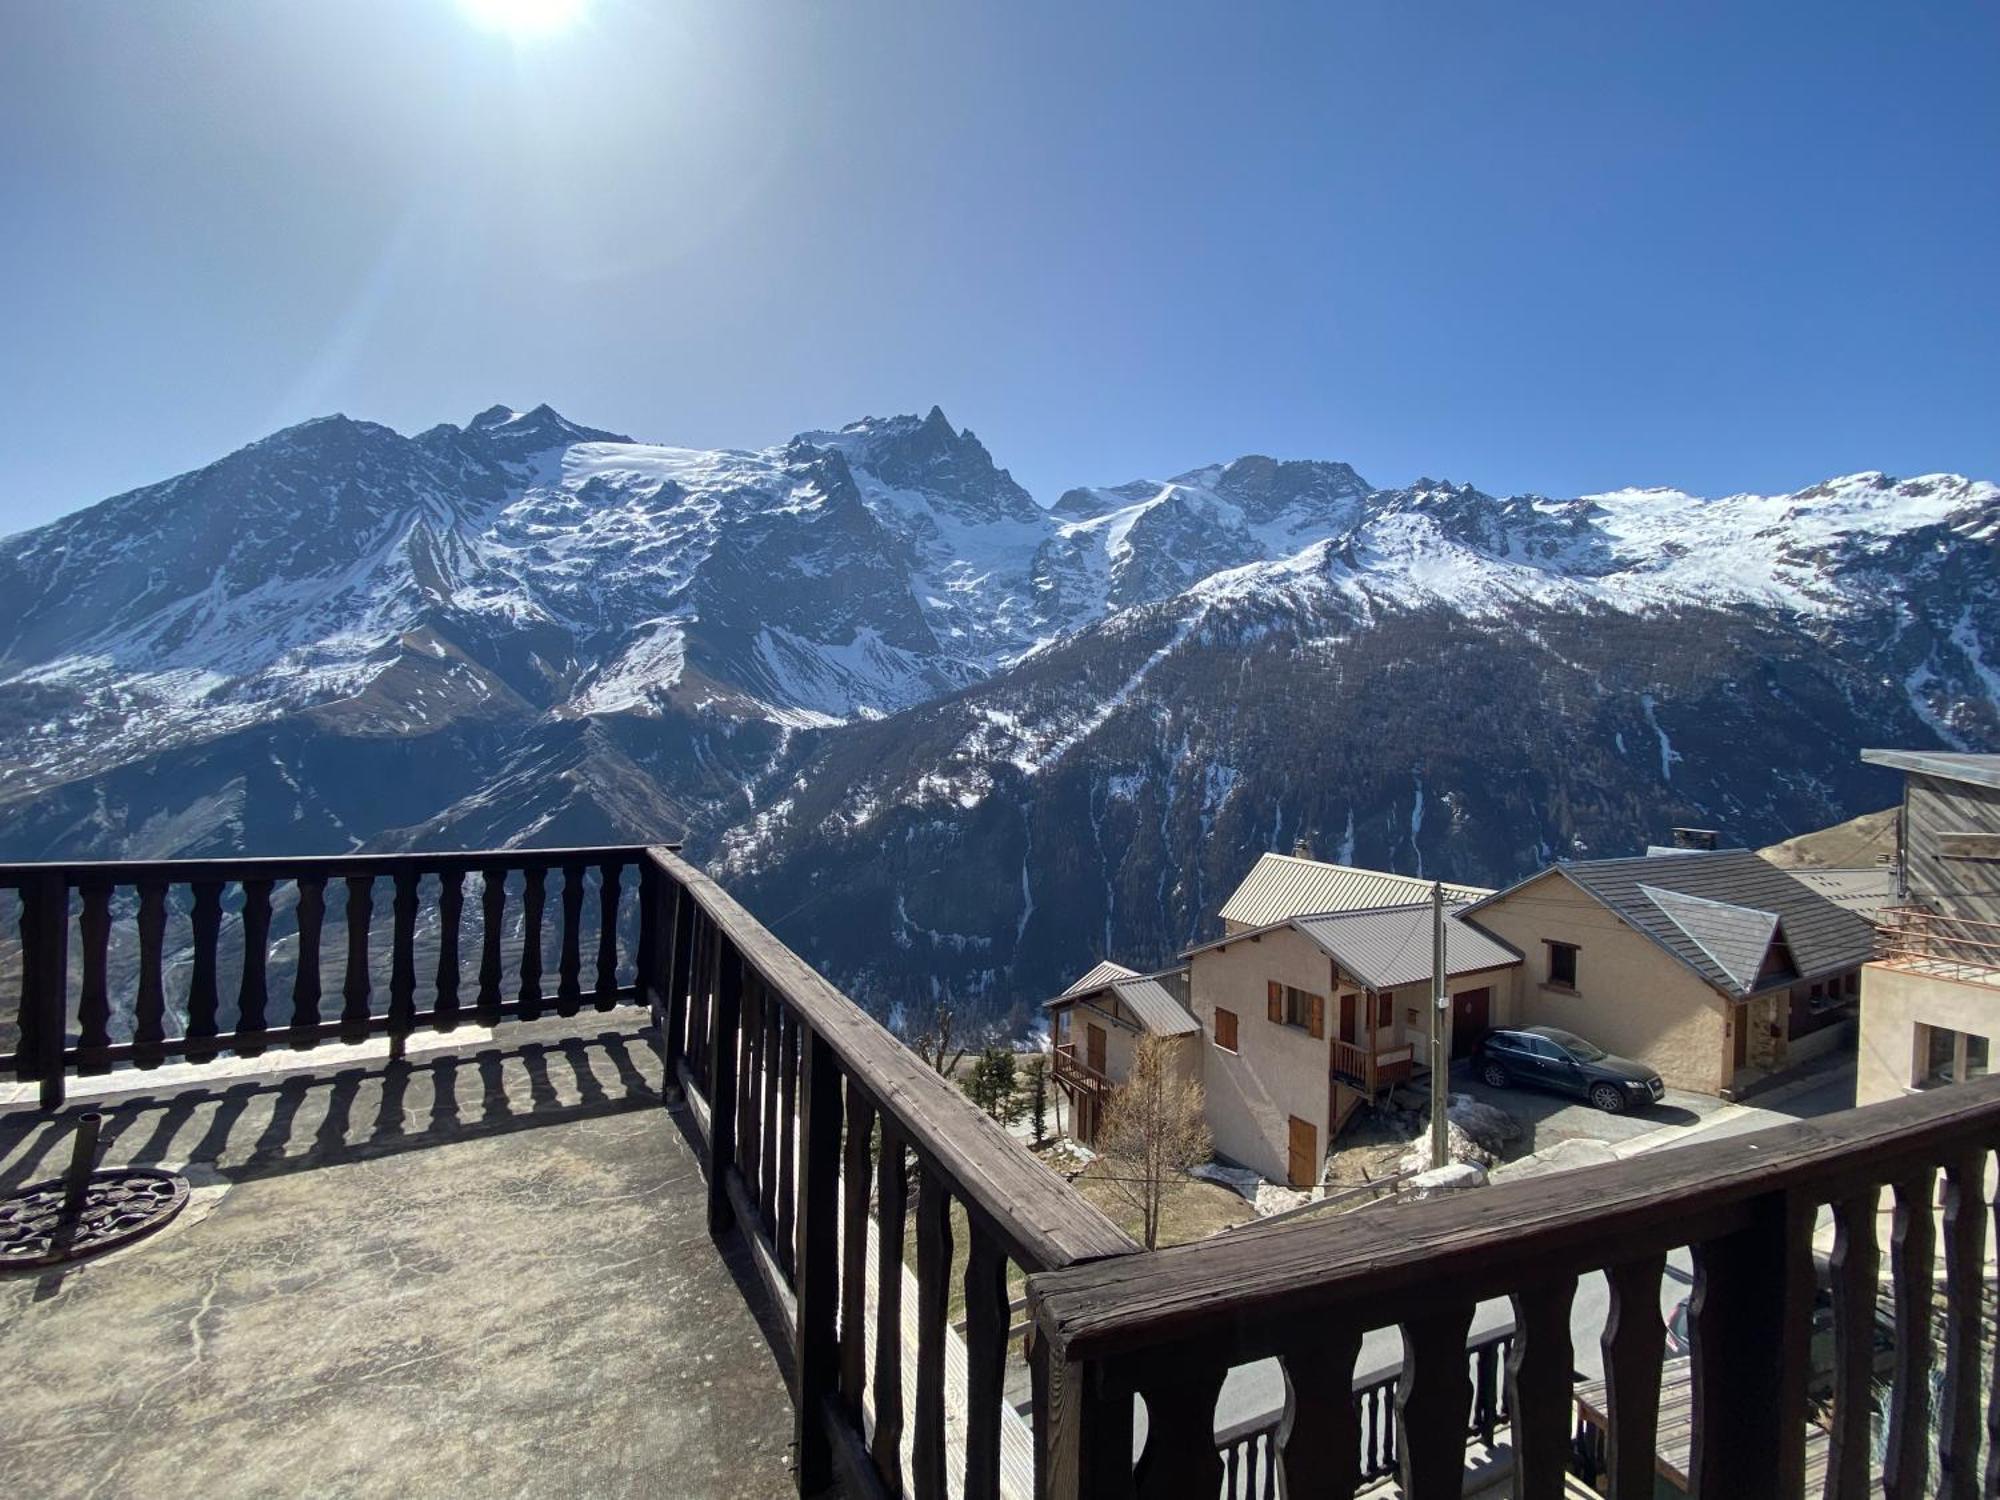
[1274,996]
[1318,1024]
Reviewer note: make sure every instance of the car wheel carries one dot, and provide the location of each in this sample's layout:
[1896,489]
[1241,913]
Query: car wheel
[1607,1098]
[1495,1075]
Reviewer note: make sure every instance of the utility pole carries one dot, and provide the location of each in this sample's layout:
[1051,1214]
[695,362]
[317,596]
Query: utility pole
[1440,1044]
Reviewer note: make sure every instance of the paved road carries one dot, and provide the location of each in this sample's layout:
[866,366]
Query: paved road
[1258,1389]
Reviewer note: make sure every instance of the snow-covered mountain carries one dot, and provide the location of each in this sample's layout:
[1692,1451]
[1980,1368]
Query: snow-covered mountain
[1022,735]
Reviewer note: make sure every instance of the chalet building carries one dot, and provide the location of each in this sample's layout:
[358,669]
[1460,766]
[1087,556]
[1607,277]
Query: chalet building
[1716,968]
[1308,1017]
[1095,1024]
[1289,885]
[1930,1010]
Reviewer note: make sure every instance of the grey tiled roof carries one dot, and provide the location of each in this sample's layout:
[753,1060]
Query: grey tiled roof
[1736,938]
[1867,892]
[1823,938]
[1282,886]
[1391,946]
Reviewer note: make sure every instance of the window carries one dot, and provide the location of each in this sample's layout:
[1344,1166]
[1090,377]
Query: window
[1291,1006]
[1947,1056]
[1225,1029]
[1562,964]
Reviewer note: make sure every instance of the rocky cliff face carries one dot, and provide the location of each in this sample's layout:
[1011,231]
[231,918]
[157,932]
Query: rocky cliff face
[941,737]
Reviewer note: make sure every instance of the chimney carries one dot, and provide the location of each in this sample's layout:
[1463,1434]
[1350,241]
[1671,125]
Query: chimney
[1302,848]
[1696,838]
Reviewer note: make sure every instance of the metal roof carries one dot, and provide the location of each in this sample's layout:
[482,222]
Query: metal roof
[1823,938]
[1867,892]
[1100,976]
[1391,946]
[1952,765]
[1151,1003]
[1282,886]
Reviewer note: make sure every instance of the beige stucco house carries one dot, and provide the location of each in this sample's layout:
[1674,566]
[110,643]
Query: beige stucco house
[1095,1024]
[1717,968]
[1303,1019]
[1930,1002]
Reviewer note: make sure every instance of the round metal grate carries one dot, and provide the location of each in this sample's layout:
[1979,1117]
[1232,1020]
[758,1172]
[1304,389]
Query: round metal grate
[120,1205]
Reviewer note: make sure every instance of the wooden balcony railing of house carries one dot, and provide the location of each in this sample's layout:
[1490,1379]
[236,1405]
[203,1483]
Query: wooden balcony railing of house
[1074,1070]
[1372,1071]
[812,1121]
[1911,937]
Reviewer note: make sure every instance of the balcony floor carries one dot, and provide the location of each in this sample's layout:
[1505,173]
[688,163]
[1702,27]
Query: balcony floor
[483,1272]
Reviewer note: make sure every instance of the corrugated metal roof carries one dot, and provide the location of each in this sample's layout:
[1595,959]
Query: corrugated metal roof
[1154,1007]
[1100,976]
[1867,892]
[1282,886]
[1391,946]
[1953,765]
[1823,938]
[1737,938]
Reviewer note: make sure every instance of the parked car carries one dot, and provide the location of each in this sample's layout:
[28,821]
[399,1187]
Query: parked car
[1819,1377]
[1550,1058]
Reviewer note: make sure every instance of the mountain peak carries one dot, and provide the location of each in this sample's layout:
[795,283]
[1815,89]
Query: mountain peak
[541,426]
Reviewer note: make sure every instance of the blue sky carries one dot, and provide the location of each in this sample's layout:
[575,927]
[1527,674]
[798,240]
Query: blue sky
[1556,246]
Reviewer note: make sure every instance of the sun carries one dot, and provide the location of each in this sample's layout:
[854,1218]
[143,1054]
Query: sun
[523,18]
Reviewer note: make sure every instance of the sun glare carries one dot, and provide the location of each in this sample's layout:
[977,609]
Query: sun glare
[523,18]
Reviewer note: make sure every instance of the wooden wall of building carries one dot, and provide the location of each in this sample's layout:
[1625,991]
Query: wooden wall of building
[1968,888]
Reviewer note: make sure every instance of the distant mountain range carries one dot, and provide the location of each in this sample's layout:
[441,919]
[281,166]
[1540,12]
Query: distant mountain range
[942,738]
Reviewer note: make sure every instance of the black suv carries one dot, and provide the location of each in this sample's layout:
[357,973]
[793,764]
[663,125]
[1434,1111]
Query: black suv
[1549,1057]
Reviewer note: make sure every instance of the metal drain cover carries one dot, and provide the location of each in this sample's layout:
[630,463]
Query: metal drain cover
[120,1205]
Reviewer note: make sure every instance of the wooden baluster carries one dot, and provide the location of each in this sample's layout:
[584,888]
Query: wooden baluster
[1433,1398]
[1180,1456]
[253,994]
[1634,1345]
[45,984]
[1322,1427]
[607,934]
[788,1083]
[149,1003]
[1854,1268]
[204,999]
[311,914]
[93,1004]
[891,1207]
[767,1131]
[451,911]
[818,1366]
[987,1316]
[1964,1261]
[403,962]
[358,987]
[1912,1247]
[569,984]
[1753,1289]
[655,922]
[680,965]
[749,1113]
[534,894]
[1538,1388]
[492,934]
[1992,1479]
[927,1454]
[698,998]
[722,1090]
[857,1169]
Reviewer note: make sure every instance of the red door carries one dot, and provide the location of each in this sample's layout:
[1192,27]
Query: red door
[1347,1019]
[1095,1055]
[1469,1020]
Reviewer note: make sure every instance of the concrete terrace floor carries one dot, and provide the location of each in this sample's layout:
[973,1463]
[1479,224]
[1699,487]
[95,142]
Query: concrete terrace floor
[482,1272]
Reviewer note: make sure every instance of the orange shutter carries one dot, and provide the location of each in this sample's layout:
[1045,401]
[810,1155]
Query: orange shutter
[1318,1027]
[1274,995]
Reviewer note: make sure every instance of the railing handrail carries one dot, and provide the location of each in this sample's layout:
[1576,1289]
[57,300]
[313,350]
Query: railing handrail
[230,868]
[1253,1287]
[1049,1223]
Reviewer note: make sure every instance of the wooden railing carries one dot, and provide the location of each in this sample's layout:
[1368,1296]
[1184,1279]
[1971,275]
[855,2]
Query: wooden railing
[1954,947]
[1250,1449]
[1354,1066]
[134,963]
[808,1109]
[1169,1325]
[1070,1069]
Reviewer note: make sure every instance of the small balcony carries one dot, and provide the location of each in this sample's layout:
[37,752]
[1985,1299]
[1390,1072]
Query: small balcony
[555,1172]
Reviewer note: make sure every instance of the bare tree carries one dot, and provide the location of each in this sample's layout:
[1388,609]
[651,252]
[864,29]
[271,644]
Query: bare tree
[941,1041]
[1155,1131]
